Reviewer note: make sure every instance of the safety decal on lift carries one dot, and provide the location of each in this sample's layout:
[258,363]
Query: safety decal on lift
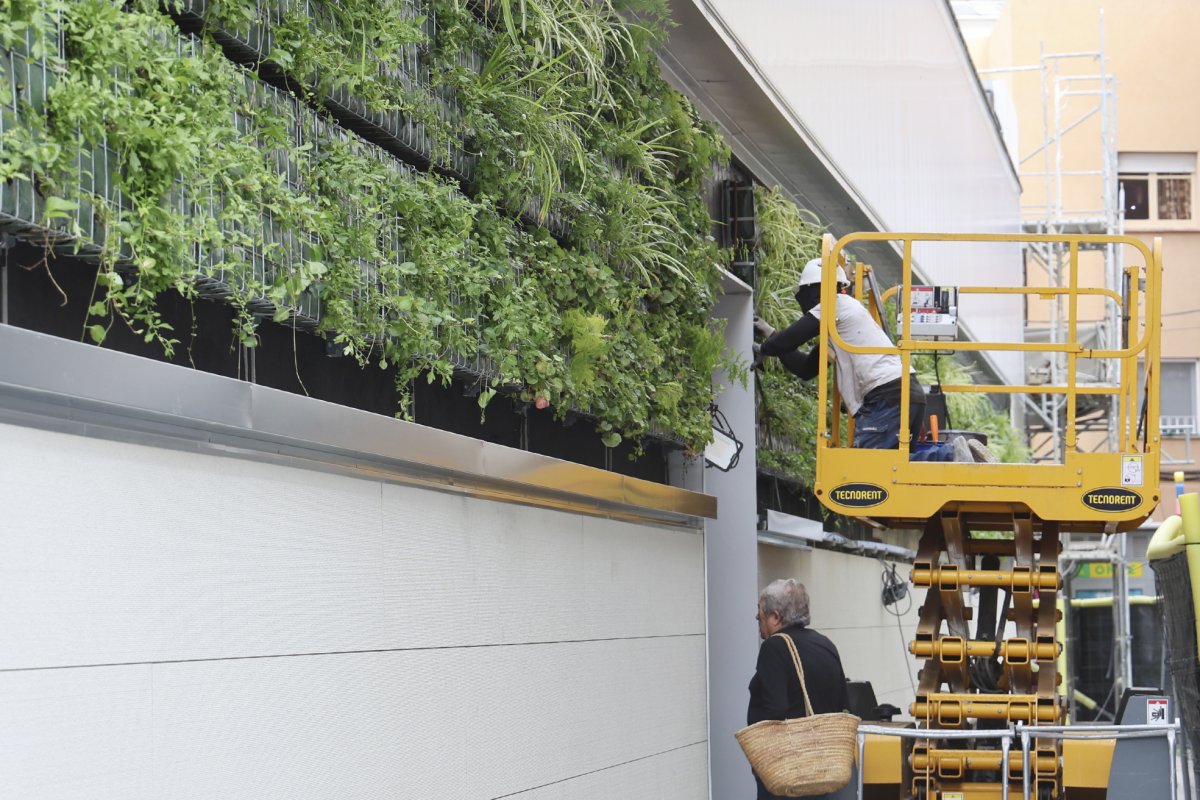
[1111,498]
[858,495]
[1156,711]
[1131,471]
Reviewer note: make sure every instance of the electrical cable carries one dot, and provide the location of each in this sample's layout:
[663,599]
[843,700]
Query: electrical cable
[937,374]
[986,672]
[720,424]
[894,588]
[1102,707]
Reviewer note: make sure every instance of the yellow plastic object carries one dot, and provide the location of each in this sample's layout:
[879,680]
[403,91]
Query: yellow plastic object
[1060,634]
[1167,540]
[883,761]
[1106,602]
[1087,763]
[1089,491]
[1085,701]
[1189,507]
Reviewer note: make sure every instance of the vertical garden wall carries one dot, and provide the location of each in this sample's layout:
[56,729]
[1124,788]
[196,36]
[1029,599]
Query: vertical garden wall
[503,190]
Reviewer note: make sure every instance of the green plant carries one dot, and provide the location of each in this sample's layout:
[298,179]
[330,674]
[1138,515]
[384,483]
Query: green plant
[588,344]
[195,172]
[787,406]
[972,411]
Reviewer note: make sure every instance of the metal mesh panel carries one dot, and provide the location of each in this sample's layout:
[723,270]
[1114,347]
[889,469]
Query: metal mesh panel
[1179,631]
[1092,647]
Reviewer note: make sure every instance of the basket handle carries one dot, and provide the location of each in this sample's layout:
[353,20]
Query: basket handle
[791,645]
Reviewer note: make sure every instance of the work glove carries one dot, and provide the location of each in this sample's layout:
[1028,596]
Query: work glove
[763,329]
[756,348]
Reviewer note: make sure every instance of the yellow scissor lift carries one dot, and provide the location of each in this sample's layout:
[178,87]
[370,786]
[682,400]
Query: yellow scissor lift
[1036,502]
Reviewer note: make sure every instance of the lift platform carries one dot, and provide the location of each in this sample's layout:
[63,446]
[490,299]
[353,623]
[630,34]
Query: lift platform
[982,690]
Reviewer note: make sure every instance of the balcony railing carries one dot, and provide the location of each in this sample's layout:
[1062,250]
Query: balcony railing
[1177,428]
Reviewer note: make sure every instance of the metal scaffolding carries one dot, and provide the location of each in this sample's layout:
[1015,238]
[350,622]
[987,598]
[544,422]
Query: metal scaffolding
[1111,549]
[1070,98]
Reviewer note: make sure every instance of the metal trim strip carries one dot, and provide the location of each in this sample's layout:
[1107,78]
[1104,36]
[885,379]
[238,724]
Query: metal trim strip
[46,381]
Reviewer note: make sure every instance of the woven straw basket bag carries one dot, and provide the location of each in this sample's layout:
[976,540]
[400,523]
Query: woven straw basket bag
[803,756]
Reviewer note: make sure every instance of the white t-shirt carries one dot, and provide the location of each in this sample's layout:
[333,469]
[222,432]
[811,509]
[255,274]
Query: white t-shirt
[859,373]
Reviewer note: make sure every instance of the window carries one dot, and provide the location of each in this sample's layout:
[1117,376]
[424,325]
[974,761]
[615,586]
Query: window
[740,236]
[1137,196]
[1177,393]
[1177,397]
[1174,196]
[1157,187]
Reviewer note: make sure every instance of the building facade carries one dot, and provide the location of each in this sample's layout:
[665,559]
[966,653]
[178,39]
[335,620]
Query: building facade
[212,578]
[1152,65]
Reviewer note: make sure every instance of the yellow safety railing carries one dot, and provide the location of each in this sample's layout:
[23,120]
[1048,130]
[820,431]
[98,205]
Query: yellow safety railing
[1126,390]
[1084,491]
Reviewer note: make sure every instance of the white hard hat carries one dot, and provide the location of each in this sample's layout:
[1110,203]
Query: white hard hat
[812,274]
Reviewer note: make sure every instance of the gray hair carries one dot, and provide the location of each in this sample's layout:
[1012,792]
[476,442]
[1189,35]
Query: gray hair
[788,599]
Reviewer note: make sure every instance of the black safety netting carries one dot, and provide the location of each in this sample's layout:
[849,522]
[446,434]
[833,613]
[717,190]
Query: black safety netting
[1093,660]
[1179,632]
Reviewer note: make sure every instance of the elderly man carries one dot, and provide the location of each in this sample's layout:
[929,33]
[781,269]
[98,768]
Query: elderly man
[775,689]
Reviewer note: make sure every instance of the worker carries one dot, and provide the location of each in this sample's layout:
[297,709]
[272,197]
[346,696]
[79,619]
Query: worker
[869,383]
[775,692]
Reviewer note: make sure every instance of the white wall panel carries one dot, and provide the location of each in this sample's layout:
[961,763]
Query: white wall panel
[472,723]
[76,734]
[887,92]
[182,625]
[844,591]
[677,775]
[156,555]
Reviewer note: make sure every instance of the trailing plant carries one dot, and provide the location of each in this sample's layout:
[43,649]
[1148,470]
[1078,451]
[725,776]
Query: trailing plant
[177,170]
[972,411]
[588,345]
[787,406]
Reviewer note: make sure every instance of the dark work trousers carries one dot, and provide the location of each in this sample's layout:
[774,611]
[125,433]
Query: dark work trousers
[877,427]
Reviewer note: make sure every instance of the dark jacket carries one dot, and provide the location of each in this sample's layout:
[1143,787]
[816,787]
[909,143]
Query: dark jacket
[775,688]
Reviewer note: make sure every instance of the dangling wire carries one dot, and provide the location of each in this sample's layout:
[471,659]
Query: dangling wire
[721,425]
[895,588]
[986,672]
[937,374]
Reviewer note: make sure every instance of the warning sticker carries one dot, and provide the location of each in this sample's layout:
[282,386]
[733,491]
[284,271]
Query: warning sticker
[952,796]
[1131,471]
[1156,711]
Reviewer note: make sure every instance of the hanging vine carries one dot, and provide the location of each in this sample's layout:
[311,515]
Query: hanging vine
[172,166]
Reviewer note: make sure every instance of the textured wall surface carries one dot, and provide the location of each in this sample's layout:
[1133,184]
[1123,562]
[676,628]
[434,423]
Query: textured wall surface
[844,592]
[182,625]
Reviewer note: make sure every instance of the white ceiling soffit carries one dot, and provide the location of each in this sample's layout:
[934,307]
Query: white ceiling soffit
[1157,162]
[705,61]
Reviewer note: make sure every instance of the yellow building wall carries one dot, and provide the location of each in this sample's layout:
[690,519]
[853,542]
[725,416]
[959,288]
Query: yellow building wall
[1152,50]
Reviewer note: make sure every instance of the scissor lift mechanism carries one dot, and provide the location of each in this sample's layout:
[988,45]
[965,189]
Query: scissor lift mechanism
[1036,502]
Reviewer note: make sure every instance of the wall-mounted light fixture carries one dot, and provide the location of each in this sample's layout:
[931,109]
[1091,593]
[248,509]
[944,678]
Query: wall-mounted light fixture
[724,451]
